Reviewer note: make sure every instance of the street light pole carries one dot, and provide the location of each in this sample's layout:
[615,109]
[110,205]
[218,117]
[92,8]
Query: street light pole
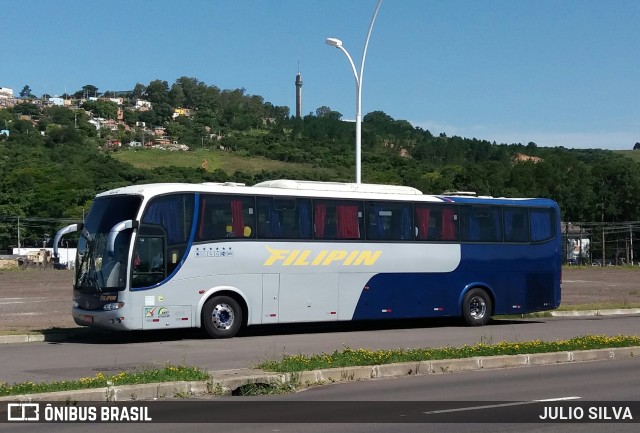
[358,76]
[601,205]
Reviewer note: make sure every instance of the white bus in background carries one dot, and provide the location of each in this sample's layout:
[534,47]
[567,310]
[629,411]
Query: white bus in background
[224,256]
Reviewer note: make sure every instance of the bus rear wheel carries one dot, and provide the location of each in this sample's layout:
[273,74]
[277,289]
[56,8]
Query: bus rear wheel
[222,317]
[476,307]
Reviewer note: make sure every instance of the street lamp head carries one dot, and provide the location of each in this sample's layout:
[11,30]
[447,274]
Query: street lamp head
[334,42]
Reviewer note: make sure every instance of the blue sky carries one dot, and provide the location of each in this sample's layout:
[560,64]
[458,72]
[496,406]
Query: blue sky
[555,72]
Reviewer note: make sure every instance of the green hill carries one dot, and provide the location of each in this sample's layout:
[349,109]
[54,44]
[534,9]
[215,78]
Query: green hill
[55,160]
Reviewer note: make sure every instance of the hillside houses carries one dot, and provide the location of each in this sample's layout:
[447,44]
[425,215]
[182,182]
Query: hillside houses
[108,115]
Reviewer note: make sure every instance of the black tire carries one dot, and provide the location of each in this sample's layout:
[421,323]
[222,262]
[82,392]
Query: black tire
[222,317]
[476,307]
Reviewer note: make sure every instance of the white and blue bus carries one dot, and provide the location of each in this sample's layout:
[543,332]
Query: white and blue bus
[223,256]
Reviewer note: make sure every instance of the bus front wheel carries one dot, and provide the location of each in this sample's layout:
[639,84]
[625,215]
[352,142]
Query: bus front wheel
[222,317]
[476,307]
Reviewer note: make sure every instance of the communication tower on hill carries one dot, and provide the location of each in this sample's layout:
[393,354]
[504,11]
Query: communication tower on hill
[298,93]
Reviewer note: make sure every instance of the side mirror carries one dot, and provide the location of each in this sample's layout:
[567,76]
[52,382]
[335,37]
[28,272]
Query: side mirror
[115,230]
[64,231]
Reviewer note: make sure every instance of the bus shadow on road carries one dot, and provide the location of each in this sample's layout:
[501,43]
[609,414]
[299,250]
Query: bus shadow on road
[94,336]
[364,325]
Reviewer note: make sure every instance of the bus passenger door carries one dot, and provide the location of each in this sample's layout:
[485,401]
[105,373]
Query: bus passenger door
[270,298]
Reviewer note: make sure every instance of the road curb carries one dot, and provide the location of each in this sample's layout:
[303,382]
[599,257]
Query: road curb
[586,313]
[53,336]
[225,381]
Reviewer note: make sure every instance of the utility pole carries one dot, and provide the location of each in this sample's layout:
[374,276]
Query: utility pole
[601,204]
[631,244]
[602,221]
[18,234]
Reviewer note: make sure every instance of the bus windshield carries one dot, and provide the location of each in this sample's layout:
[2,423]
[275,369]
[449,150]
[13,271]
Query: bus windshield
[97,270]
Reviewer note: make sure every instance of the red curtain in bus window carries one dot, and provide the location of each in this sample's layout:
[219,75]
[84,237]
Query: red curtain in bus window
[347,221]
[422,220]
[319,214]
[237,224]
[203,205]
[448,225]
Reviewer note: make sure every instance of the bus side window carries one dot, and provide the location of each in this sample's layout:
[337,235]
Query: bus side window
[283,218]
[436,223]
[516,224]
[224,217]
[165,226]
[337,219]
[389,221]
[449,224]
[481,223]
[423,219]
[149,266]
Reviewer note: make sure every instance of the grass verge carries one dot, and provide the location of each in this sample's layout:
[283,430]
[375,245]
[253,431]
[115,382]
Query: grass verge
[344,358]
[168,373]
[359,357]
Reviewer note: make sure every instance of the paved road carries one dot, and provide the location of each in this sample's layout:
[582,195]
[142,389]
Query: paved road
[587,384]
[108,353]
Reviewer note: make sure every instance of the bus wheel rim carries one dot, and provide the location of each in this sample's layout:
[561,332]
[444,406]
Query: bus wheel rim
[222,316]
[477,307]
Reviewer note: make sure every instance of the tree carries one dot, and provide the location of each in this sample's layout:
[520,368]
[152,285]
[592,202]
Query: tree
[327,112]
[60,115]
[27,109]
[158,92]
[139,90]
[87,91]
[26,92]
[90,90]
[175,130]
[177,95]
[104,109]
[637,146]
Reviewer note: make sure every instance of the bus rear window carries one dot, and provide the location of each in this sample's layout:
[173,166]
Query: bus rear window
[542,227]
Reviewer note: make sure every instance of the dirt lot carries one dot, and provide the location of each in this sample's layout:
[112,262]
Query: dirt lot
[41,299]
[35,299]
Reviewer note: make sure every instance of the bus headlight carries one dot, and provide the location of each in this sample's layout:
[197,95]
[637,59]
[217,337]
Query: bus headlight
[113,306]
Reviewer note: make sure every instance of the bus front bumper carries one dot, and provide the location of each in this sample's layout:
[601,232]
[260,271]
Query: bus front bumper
[99,319]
